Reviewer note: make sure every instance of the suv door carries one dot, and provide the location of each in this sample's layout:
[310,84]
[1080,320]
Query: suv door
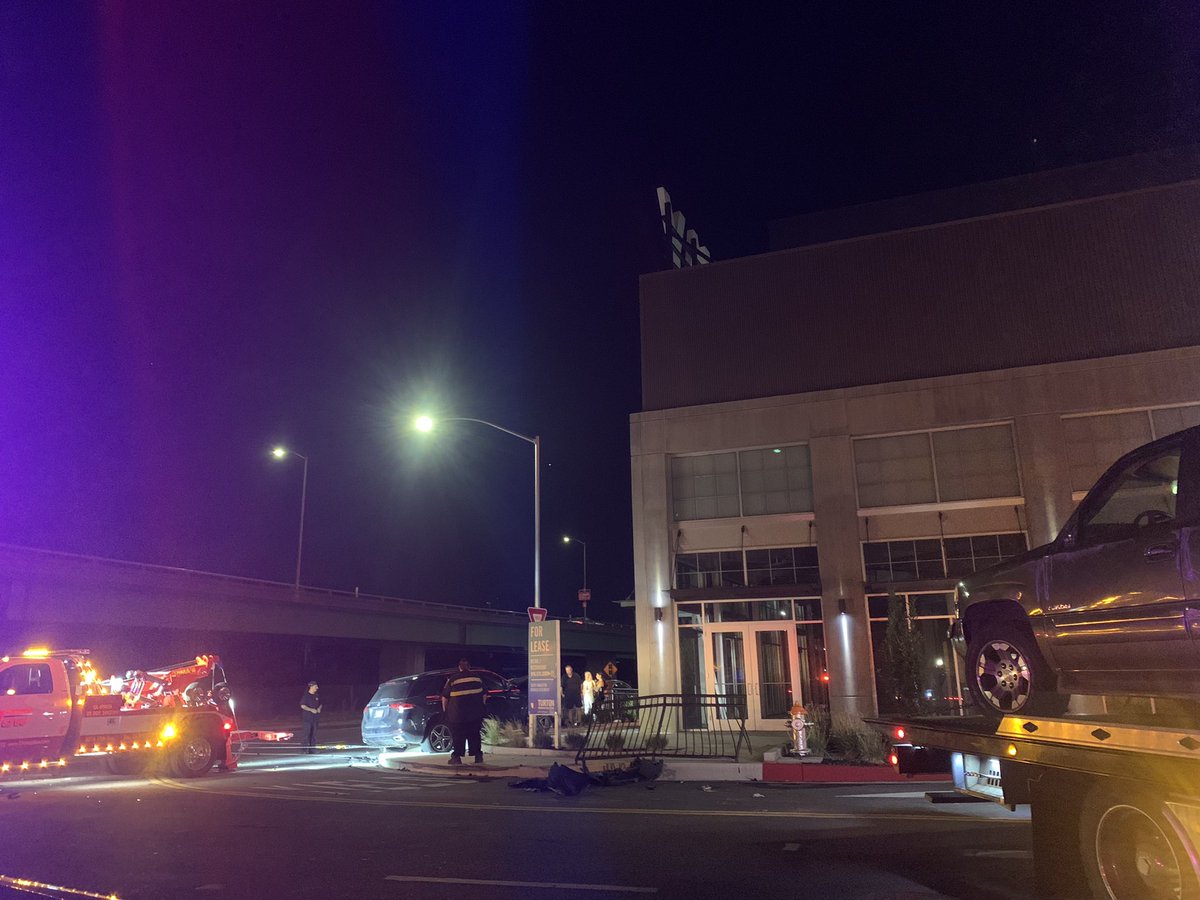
[1116,601]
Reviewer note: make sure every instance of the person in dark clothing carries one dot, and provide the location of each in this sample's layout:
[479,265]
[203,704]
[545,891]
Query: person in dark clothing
[310,703]
[572,693]
[463,702]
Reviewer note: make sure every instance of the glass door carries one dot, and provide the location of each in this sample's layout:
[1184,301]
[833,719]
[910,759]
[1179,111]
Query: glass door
[752,666]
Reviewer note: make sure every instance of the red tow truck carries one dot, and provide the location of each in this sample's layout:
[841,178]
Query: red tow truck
[54,706]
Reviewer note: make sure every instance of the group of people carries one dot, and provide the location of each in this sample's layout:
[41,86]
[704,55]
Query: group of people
[579,695]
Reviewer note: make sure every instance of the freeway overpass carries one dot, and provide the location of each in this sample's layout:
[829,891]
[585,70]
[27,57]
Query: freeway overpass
[272,637]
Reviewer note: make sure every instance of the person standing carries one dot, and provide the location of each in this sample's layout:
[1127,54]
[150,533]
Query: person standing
[310,703]
[463,704]
[572,692]
[588,693]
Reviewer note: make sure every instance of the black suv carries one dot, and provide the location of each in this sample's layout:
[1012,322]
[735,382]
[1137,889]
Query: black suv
[408,711]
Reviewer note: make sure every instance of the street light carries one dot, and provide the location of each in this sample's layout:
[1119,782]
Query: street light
[282,453]
[426,424]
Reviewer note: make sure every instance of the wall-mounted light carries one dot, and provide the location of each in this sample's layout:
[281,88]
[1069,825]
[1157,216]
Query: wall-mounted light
[841,606]
[658,614]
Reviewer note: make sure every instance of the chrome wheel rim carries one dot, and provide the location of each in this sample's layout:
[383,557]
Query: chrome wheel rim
[440,740]
[1002,673]
[196,753]
[1135,857]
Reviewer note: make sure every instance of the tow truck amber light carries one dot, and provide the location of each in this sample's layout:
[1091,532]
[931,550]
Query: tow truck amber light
[1012,749]
[168,732]
[36,653]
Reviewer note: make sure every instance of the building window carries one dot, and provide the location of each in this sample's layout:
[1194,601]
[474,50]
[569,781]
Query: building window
[940,466]
[941,675]
[774,481]
[925,558]
[894,471]
[733,568]
[705,487]
[742,483]
[1094,443]
[975,463]
[714,569]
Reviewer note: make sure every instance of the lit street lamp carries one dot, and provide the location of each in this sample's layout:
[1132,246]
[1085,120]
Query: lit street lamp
[427,423]
[281,453]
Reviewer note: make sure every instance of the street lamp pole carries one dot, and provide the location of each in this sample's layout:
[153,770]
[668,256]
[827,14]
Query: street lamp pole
[280,453]
[425,423]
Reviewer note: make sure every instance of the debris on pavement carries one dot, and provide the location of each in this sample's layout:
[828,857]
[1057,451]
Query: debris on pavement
[568,782]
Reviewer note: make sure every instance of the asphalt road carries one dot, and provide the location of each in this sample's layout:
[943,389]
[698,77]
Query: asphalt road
[327,827]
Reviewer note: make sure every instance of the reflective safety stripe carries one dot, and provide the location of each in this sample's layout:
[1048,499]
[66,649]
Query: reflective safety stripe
[465,686]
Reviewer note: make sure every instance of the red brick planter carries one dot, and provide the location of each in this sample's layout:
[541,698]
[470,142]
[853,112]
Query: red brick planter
[831,773]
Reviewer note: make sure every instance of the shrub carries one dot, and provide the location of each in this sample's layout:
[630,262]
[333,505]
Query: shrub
[656,742]
[492,731]
[575,740]
[818,730]
[852,740]
[513,734]
[615,741]
[543,741]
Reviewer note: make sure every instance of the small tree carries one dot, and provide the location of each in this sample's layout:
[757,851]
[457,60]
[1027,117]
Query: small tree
[903,657]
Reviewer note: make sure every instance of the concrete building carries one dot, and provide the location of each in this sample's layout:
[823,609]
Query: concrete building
[898,395]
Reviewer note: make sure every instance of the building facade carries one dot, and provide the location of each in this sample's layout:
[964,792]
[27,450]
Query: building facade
[875,415]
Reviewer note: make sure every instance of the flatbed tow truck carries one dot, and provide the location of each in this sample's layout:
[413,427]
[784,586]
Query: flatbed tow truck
[1114,805]
[54,708]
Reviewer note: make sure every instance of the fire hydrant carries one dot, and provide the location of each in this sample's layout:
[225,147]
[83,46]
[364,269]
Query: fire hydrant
[799,725]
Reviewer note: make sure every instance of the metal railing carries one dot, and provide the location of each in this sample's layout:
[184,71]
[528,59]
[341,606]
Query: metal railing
[697,726]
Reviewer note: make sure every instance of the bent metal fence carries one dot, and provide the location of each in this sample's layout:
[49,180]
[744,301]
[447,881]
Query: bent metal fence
[698,726]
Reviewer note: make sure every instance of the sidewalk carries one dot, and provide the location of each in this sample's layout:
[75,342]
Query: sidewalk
[762,763]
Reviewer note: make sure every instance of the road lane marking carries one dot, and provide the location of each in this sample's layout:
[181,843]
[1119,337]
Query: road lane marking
[791,848]
[999,854]
[682,813]
[552,885]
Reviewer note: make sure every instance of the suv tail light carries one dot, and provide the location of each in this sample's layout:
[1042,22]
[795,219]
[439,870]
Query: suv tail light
[401,706]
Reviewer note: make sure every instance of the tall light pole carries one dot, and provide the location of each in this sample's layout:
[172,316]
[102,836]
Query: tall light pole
[281,453]
[427,423]
[567,539]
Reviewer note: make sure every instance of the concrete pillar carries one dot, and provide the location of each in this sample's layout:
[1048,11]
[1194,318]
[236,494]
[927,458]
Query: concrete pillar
[398,659]
[1045,476]
[657,638]
[847,633]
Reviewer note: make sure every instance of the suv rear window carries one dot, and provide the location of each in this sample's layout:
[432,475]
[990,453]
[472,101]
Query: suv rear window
[415,686]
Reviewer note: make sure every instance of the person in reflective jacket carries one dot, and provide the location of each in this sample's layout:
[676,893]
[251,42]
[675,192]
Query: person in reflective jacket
[463,703]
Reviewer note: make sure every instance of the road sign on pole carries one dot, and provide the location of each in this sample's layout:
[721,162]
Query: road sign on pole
[536,613]
[584,596]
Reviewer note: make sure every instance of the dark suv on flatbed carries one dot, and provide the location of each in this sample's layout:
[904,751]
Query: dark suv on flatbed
[1111,606]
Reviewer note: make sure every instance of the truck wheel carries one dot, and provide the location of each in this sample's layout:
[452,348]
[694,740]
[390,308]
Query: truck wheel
[193,757]
[1130,850]
[1007,675]
[125,764]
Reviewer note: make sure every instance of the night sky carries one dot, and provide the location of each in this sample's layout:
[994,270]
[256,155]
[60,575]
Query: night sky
[229,225]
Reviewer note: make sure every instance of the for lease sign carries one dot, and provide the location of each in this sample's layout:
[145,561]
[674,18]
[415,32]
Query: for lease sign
[543,668]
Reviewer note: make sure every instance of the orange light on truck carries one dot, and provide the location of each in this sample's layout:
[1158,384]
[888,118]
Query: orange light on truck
[36,653]
[168,732]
